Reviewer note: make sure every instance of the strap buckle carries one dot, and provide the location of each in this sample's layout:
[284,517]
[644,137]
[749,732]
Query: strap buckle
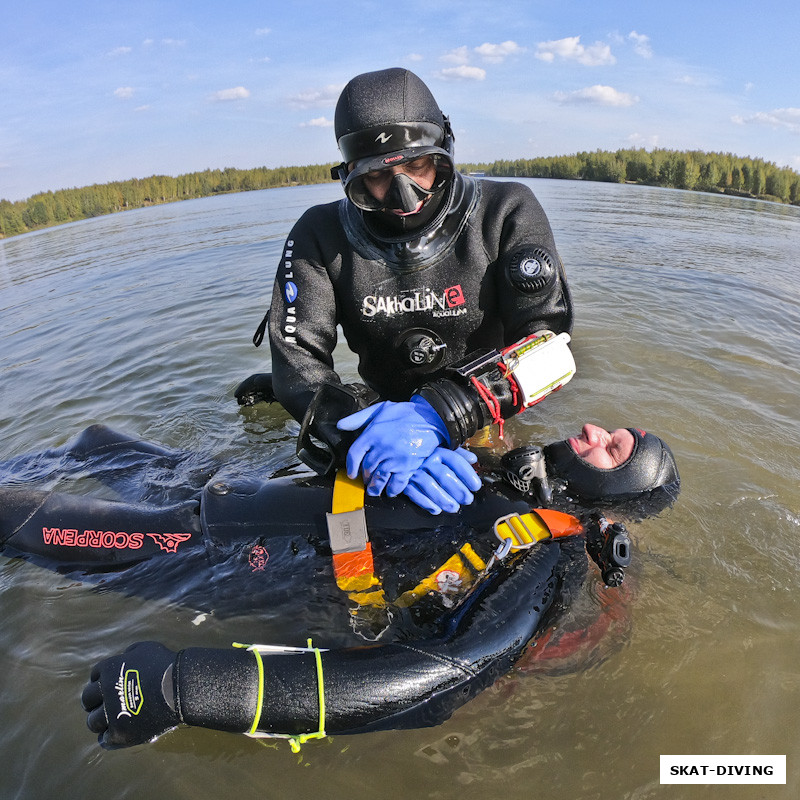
[521,531]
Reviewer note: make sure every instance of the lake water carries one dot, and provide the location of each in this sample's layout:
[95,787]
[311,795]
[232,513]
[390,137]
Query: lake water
[687,324]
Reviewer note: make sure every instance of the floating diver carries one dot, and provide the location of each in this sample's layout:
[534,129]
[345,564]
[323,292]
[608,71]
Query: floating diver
[454,627]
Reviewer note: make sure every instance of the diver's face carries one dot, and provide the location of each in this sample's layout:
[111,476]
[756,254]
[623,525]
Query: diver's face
[602,449]
[421,170]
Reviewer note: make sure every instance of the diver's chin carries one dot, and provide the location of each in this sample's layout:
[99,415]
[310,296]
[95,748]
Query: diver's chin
[398,212]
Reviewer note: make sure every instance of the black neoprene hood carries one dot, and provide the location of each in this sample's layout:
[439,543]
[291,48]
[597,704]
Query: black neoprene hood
[384,119]
[389,111]
[650,466]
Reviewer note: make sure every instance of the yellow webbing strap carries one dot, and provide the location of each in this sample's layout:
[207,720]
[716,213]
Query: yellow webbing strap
[348,493]
[353,567]
[525,530]
[457,572]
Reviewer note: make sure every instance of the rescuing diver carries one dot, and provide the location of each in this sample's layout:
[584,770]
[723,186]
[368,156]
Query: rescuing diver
[421,267]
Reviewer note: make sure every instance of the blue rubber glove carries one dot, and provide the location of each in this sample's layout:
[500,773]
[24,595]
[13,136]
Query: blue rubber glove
[445,481]
[397,439]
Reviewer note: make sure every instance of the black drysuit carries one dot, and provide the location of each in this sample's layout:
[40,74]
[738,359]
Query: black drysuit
[461,282]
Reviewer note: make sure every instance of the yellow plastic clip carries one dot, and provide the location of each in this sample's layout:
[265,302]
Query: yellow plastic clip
[521,530]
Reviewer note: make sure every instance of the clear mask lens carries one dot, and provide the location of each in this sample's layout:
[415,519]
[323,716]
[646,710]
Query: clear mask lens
[398,189]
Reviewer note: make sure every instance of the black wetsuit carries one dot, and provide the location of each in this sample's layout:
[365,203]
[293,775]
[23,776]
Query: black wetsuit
[226,543]
[460,283]
[211,536]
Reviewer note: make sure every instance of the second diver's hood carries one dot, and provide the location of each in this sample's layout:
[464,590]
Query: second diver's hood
[650,466]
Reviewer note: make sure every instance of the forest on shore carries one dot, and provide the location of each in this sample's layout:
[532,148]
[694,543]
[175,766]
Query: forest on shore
[689,170]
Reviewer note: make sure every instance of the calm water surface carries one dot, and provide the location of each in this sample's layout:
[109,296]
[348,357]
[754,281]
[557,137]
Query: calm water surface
[688,324]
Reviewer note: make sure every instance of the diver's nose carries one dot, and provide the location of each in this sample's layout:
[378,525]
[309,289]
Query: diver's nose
[594,434]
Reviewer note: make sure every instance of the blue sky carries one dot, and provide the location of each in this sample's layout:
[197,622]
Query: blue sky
[96,91]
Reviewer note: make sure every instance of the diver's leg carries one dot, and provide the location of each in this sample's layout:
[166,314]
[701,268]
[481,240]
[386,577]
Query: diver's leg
[136,470]
[98,439]
[63,529]
[98,451]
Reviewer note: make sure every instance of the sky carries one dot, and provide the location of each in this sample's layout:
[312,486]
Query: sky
[92,92]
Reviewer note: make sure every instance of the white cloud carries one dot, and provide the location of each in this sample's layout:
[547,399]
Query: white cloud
[458,56]
[124,92]
[236,93]
[497,52]
[317,98]
[165,42]
[779,118]
[462,73]
[698,79]
[120,51]
[142,108]
[263,31]
[637,140]
[641,44]
[415,57]
[318,122]
[571,49]
[598,95]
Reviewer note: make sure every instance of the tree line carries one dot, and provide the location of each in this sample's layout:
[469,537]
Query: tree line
[692,170]
[68,205]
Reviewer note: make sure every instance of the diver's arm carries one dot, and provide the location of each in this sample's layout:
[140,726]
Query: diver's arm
[484,388]
[136,696]
[148,690]
[302,321]
[492,386]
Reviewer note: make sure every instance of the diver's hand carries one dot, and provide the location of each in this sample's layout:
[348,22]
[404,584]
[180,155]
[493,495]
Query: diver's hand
[254,389]
[396,440]
[130,697]
[445,481]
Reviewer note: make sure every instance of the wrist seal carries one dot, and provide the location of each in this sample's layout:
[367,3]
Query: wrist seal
[459,407]
[490,386]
